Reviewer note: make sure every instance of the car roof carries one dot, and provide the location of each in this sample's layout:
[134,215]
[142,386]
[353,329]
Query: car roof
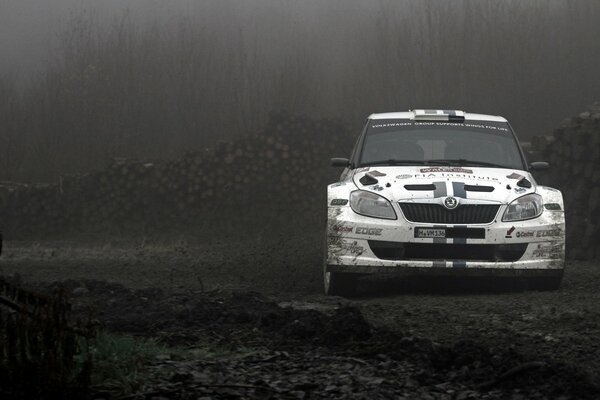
[411,114]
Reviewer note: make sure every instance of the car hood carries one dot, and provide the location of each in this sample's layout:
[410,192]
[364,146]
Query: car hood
[497,185]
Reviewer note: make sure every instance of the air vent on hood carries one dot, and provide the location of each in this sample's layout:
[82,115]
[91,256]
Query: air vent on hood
[368,180]
[431,186]
[524,183]
[479,188]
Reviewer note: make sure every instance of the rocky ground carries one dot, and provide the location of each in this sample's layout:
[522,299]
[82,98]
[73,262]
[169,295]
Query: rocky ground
[246,320]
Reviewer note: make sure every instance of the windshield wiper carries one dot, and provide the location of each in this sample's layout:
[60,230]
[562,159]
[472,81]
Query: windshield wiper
[407,162]
[463,162]
[393,162]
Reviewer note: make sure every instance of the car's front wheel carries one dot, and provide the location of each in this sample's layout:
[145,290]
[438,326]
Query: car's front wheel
[340,284]
[337,283]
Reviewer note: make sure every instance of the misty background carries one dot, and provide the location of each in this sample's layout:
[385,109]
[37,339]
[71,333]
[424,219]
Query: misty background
[83,81]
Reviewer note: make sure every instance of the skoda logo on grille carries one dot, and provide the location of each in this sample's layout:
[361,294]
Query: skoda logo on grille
[450,203]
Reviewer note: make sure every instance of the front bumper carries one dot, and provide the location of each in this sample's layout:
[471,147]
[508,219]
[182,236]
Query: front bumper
[416,270]
[351,239]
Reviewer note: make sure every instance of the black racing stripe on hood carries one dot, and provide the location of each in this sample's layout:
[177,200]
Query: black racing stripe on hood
[440,189]
[459,189]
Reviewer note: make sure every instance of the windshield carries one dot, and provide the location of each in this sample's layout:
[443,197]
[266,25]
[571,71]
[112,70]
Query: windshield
[404,142]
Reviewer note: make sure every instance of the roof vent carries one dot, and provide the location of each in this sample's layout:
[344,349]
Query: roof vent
[438,115]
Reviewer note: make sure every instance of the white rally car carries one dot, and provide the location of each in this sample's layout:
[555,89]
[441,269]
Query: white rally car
[444,192]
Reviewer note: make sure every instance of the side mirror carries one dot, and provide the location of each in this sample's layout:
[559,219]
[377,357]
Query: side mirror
[539,166]
[340,162]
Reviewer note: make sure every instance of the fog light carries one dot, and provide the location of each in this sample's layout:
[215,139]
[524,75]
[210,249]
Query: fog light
[510,252]
[387,250]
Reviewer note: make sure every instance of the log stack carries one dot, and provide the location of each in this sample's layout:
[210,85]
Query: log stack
[271,182]
[266,181]
[574,157]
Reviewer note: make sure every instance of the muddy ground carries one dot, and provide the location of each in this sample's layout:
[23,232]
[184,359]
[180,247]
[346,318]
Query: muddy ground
[248,321]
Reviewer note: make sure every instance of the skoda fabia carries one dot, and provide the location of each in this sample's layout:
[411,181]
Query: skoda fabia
[444,192]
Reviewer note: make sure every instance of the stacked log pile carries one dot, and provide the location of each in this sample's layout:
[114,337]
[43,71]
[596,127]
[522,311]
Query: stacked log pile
[574,157]
[271,179]
[535,149]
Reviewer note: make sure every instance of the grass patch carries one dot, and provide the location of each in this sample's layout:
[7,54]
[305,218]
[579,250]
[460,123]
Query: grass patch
[119,362]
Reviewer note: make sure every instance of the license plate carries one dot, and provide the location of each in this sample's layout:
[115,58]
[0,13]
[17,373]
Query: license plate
[430,233]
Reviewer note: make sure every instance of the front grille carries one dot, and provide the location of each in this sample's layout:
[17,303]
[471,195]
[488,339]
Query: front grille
[447,251]
[438,214]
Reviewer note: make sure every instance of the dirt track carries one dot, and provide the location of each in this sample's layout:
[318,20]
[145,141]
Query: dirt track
[398,338]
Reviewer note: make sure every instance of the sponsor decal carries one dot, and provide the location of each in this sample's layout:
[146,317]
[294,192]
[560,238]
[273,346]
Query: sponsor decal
[519,190]
[510,232]
[391,124]
[514,175]
[377,188]
[492,128]
[353,248]
[539,253]
[459,170]
[544,253]
[404,176]
[451,175]
[548,232]
[525,234]
[553,251]
[362,230]
[342,229]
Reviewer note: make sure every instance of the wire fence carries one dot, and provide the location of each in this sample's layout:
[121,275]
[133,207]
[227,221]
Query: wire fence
[44,353]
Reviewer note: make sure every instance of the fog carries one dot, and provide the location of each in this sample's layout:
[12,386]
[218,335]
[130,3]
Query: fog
[83,81]
[171,226]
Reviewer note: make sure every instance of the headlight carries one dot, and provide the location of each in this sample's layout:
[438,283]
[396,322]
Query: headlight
[371,205]
[526,207]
